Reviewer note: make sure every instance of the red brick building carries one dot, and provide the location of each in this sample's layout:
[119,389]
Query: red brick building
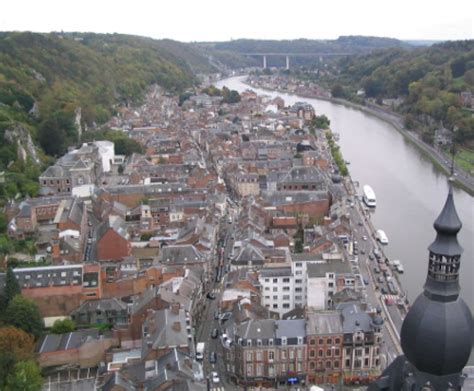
[113,240]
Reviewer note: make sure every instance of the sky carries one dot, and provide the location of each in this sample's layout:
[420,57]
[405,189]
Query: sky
[222,20]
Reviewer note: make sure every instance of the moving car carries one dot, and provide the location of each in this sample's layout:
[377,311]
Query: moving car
[212,357]
[211,296]
[215,377]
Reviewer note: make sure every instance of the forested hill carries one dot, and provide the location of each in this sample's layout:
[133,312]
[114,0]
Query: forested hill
[430,80]
[46,78]
[344,44]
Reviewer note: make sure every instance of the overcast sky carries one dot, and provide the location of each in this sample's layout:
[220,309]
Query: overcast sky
[221,20]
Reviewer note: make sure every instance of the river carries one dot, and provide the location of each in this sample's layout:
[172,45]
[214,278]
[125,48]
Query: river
[410,190]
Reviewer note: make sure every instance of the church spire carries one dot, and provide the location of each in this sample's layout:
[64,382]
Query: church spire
[442,281]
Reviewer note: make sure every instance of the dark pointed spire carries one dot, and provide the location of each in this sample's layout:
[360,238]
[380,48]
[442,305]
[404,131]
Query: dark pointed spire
[442,282]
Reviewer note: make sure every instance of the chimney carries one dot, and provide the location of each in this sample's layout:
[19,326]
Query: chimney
[176,326]
[175,308]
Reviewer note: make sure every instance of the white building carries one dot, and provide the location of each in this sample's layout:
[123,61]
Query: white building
[106,153]
[277,288]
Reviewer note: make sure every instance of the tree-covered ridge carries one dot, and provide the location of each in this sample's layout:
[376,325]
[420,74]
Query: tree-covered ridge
[46,78]
[429,80]
[344,44]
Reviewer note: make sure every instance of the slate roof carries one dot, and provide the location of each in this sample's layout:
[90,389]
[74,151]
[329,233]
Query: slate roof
[321,323]
[180,254]
[60,342]
[315,270]
[354,319]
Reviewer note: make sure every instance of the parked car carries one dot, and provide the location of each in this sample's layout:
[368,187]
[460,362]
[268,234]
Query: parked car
[371,257]
[376,270]
[214,333]
[211,296]
[384,291]
[366,281]
[380,279]
[216,315]
[215,377]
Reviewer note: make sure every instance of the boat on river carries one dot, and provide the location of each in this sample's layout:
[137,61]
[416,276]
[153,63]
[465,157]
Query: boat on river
[381,237]
[369,197]
[397,265]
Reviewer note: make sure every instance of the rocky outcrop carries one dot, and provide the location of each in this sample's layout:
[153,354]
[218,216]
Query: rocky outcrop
[20,136]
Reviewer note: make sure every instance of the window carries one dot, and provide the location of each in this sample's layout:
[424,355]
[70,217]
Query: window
[267,297]
[286,305]
[286,297]
[331,285]
[320,353]
[299,353]
[270,342]
[271,355]
[298,298]
[275,297]
[249,342]
[312,342]
[259,355]
[298,272]
[259,369]
[298,289]
[312,365]
[337,352]
[367,350]
[286,289]
[291,367]
[286,280]
[331,276]
[336,364]
[312,353]
[249,370]
[348,362]
[337,341]
[321,341]
[275,280]
[328,365]
[283,354]
[329,341]
[249,356]
[275,306]
[259,342]
[283,367]
[283,340]
[298,264]
[275,289]
[267,280]
[267,288]
[300,340]
[298,281]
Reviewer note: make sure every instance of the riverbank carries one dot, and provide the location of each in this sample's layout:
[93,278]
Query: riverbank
[461,179]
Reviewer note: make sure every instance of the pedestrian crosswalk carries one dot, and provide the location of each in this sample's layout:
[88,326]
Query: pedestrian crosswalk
[216,290]
[217,389]
[390,297]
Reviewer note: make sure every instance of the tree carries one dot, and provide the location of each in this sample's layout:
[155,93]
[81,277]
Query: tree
[26,376]
[12,288]
[16,342]
[338,91]
[62,326]
[23,313]
[15,346]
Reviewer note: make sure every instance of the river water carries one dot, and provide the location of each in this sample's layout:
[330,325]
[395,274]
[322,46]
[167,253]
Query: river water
[410,190]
